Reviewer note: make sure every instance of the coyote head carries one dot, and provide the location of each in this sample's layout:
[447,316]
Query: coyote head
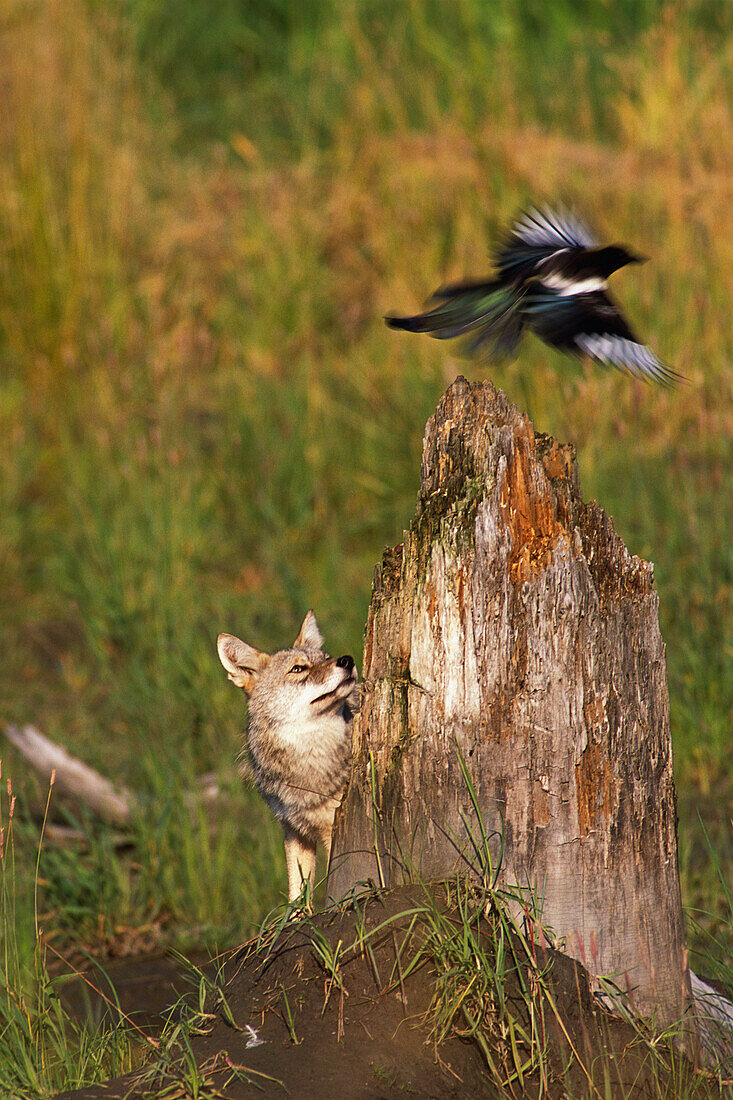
[293,687]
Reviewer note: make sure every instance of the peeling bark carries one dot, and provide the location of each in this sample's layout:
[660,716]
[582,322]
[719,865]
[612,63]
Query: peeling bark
[513,624]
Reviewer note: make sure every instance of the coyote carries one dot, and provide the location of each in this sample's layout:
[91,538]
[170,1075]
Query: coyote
[301,703]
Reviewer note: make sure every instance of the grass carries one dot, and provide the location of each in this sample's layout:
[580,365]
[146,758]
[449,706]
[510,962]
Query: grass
[493,983]
[289,67]
[208,426]
[44,1051]
[496,986]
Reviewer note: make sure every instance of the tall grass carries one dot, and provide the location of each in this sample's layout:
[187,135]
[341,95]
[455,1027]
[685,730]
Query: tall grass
[207,424]
[43,1050]
[282,73]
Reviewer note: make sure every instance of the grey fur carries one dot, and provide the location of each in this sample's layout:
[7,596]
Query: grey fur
[299,738]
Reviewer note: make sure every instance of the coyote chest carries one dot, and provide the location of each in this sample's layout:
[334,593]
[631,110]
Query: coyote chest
[301,705]
[301,758]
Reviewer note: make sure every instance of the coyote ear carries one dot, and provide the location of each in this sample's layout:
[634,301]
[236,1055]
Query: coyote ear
[309,636]
[242,662]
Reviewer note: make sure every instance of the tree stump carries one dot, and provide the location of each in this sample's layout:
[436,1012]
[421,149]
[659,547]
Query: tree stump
[513,624]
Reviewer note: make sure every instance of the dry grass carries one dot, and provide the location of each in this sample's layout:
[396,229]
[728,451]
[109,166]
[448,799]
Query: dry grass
[208,426]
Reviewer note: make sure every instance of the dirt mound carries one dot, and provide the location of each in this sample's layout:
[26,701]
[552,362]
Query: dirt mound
[353,1003]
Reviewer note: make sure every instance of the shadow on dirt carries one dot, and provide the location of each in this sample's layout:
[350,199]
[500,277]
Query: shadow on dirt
[144,987]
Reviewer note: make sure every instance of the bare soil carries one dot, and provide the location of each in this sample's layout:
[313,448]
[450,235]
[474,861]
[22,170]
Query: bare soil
[368,1036]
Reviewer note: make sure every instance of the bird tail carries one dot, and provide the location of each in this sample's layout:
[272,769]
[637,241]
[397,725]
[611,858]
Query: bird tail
[486,314]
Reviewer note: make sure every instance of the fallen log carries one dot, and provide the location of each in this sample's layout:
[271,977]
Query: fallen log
[73,778]
[114,804]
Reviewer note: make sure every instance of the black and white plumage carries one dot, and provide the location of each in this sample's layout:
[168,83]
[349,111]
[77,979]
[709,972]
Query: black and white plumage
[551,279]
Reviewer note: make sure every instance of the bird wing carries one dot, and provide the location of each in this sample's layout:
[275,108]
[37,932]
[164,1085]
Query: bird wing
[460,308]
[485,313]
[538,235]
[592,324]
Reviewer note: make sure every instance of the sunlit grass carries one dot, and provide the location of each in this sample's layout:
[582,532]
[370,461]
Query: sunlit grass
[176,872]
[208,427]
[43,1049]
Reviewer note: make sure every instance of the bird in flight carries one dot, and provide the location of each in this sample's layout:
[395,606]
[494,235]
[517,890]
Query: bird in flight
[552,276]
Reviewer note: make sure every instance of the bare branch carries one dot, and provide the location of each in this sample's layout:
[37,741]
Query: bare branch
[113,805]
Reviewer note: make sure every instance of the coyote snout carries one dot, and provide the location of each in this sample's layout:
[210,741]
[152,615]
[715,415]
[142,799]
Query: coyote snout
[301,703]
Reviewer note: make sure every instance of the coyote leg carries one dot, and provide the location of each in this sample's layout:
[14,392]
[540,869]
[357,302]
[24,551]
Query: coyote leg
[300,857]
[326,835]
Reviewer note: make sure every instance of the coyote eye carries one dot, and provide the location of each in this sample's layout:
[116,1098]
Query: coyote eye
[298,668]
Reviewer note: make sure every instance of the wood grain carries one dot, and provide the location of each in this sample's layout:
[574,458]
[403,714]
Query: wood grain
[512,623]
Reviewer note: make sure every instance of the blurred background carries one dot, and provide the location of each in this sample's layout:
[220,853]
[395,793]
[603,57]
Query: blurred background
[205,211]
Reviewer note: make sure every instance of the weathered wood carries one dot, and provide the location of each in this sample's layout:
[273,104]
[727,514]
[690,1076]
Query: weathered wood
[512,623]
[114,804]
[72,776]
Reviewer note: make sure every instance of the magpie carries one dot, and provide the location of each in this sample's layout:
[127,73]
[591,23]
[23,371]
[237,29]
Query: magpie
[551,279]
